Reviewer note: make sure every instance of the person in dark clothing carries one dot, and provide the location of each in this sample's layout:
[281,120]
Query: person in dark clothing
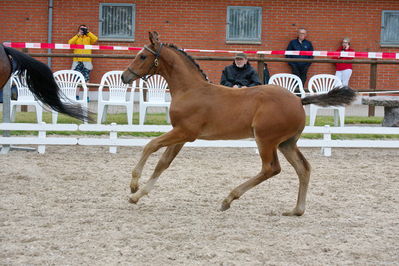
[240,74]
[266,75]
[300,44]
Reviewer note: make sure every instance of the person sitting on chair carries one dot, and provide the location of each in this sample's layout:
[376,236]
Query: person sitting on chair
[240,74]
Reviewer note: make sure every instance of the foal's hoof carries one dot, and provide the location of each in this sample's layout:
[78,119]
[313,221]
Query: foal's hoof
[133,200]
[225,206]
[294,213]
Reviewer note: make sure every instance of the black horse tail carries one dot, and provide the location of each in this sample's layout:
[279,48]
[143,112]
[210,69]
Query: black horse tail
[335,97]
[42,84]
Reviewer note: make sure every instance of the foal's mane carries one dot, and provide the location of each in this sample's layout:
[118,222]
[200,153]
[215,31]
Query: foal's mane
[174,47]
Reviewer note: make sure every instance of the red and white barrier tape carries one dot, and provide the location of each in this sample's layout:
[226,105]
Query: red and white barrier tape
[66,46]
[374,55]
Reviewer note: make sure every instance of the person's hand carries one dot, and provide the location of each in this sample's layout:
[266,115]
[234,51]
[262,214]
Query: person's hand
[235,86]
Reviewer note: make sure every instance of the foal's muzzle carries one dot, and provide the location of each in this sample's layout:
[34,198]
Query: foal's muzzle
[128,76]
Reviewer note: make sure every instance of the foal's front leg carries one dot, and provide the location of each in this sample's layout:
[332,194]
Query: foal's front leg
[163,163]
[174,136]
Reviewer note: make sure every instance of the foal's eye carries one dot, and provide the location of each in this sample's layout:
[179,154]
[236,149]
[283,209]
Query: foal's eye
[142,57]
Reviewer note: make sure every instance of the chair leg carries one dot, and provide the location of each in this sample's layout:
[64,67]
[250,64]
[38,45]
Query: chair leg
[336,117]
[100,110]
[312,115]
[143,110]
[104,114]
[342,116]
[129,110]
[54,117]
[85,112]
[13,111]
[39,114]
[167,115]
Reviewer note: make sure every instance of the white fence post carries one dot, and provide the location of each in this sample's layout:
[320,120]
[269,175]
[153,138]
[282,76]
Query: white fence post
[113,135]
[326,151]
[42,136]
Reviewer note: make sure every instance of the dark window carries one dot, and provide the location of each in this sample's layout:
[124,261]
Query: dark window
[117,21]
[390,28]
[244,24]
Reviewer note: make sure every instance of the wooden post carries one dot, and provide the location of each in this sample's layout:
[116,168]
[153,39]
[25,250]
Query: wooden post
[261,67]
[373,86]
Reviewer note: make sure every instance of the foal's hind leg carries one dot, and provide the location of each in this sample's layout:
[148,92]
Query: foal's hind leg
[270,167]
[163,163]
[302,168]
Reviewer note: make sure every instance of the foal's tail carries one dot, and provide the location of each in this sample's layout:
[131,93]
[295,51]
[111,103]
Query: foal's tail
[42,84]
[335,97]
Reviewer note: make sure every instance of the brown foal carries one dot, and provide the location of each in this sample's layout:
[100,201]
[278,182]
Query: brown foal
[200,110]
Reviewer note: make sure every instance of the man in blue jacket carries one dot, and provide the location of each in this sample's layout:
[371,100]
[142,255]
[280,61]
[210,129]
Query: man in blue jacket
[240,74]
[300,44]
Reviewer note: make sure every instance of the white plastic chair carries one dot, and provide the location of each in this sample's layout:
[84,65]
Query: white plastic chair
[323,83]
[289,81]
[155,88]
[25,97]
[68,81]
[118,92]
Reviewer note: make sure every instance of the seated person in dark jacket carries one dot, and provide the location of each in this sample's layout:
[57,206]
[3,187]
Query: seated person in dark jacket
[240,74]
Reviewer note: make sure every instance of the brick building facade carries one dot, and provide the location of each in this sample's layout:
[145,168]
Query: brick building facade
[202,25]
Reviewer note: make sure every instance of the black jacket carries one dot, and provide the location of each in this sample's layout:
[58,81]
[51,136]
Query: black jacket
[233,75]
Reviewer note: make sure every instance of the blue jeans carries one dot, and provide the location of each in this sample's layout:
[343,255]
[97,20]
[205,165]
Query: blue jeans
[80,67]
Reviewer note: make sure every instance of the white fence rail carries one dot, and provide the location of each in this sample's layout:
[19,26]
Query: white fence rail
[113,141]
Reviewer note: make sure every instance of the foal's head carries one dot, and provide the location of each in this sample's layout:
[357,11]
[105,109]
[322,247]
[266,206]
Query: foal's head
[146,61]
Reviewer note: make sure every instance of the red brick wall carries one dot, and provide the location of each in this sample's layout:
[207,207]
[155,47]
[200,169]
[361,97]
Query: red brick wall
[201,24]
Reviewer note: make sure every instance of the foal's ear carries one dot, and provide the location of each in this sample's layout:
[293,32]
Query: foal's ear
[154,38]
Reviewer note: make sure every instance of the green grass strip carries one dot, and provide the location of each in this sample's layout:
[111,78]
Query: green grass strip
[160,119]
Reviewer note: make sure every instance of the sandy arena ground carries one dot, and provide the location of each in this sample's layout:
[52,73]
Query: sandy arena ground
[70,207]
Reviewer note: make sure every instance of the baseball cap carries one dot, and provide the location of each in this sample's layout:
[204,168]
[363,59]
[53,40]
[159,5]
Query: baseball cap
[241,55]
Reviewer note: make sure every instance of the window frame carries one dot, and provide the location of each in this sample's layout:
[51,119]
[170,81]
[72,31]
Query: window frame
[114,38]
[257,40]
[383,26]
